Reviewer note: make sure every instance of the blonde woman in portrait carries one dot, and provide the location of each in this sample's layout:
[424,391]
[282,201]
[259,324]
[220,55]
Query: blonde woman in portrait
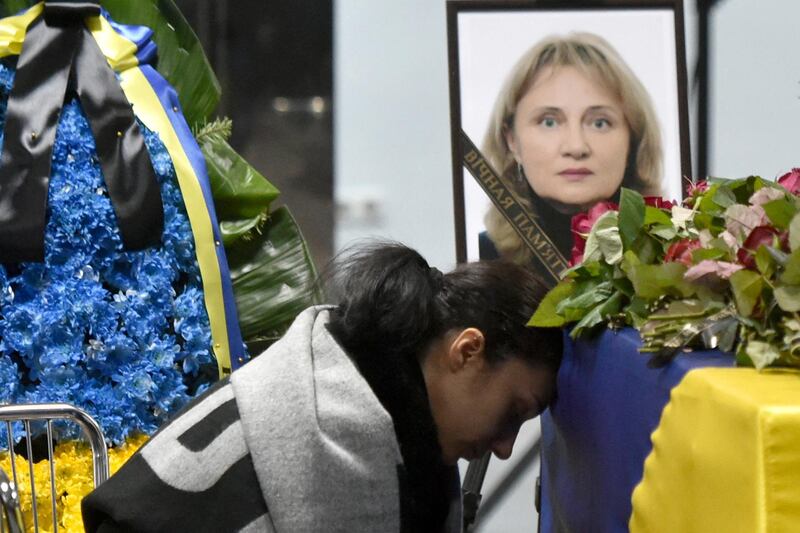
[571,125]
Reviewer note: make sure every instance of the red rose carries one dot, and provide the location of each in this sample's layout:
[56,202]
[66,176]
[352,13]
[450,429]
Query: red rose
[659,202]
[681,251]
[760,235]
[581,226]
[791,181]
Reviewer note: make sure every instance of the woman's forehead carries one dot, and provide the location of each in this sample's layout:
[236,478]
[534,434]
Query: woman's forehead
[567,85]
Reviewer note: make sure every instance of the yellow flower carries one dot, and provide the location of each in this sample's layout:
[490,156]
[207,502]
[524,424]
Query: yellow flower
[74,480]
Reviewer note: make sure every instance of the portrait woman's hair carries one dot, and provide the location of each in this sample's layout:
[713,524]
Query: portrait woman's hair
[597,61]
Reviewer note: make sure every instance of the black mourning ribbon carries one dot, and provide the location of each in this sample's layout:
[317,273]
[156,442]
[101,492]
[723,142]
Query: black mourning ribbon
[59,55]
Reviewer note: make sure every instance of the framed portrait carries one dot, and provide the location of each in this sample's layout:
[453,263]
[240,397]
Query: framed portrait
[556,105]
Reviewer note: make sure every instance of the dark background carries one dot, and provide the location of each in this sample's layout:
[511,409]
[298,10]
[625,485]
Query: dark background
[274,63]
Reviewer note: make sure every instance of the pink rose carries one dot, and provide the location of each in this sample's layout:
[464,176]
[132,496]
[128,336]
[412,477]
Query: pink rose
[761,235]
[791,181]
[711,273]
[696,187]
[681,251]
[693,190]
[581,225]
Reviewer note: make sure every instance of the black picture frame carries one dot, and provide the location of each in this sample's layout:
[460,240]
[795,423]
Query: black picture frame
[587,14]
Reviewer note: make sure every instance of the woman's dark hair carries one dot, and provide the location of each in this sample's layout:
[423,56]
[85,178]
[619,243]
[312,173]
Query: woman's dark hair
[391,302]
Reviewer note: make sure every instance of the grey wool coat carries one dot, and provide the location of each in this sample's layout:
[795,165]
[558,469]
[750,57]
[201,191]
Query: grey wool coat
[294,441]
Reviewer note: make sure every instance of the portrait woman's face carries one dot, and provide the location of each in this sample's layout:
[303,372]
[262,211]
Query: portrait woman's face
[571,138]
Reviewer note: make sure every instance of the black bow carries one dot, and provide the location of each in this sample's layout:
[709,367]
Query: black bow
[59,55]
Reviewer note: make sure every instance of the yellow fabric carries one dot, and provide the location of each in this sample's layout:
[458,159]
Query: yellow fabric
[726,456]
[120,53]
[13,30]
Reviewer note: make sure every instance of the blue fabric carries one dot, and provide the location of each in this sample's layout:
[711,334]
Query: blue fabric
[169,99]
[596,435]
[141,36]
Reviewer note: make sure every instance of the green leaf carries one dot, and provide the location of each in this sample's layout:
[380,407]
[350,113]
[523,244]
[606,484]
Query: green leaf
[647,248]
[233,230]
[12,7]
[780,212]
[665,232]
[273,279]
[598,314]
[604,241]
[746,286]
[791,270]
[546,315]
[653,281]
[180,56]
[637,311]
[762,354]
[710,222]
[654,215]
[724,197]
[631,216]
[585,296]
[706,253]
[788,297]
[764,261]
[682,310]
[629,262]
[241,195]
[219,128]
[794,233]
[743,189]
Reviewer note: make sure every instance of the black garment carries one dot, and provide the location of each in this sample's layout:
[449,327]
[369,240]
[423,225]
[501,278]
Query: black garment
[425,481]
[557,226]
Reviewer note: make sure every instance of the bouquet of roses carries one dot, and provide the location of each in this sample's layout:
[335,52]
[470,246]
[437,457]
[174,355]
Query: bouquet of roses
[721,271]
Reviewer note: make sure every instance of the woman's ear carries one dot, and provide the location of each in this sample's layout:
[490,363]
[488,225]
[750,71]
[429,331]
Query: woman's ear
[511,142]
[467,349]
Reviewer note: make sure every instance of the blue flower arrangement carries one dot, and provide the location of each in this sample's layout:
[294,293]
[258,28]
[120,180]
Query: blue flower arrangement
[124,335]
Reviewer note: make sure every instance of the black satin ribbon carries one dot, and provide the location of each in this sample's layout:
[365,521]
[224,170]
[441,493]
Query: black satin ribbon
[60,55]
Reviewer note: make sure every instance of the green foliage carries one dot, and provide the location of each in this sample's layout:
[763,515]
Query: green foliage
[794,233]
[180,56]
[604,241]
[701,295]
[273,280]
[791,271]
[241,195]
[12,7]
[780,212]
[788,297]
[546,315]
[654,281]
[631,216]
[746,286]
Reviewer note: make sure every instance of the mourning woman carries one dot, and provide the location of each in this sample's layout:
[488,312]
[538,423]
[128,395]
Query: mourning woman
[355,419]
[571,125]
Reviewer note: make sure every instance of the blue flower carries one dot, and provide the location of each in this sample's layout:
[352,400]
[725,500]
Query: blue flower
[121,334]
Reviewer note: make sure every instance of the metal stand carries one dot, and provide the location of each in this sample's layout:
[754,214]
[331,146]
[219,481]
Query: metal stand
[473,481]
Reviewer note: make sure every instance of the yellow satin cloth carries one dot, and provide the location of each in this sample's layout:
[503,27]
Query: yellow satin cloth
[726,456]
